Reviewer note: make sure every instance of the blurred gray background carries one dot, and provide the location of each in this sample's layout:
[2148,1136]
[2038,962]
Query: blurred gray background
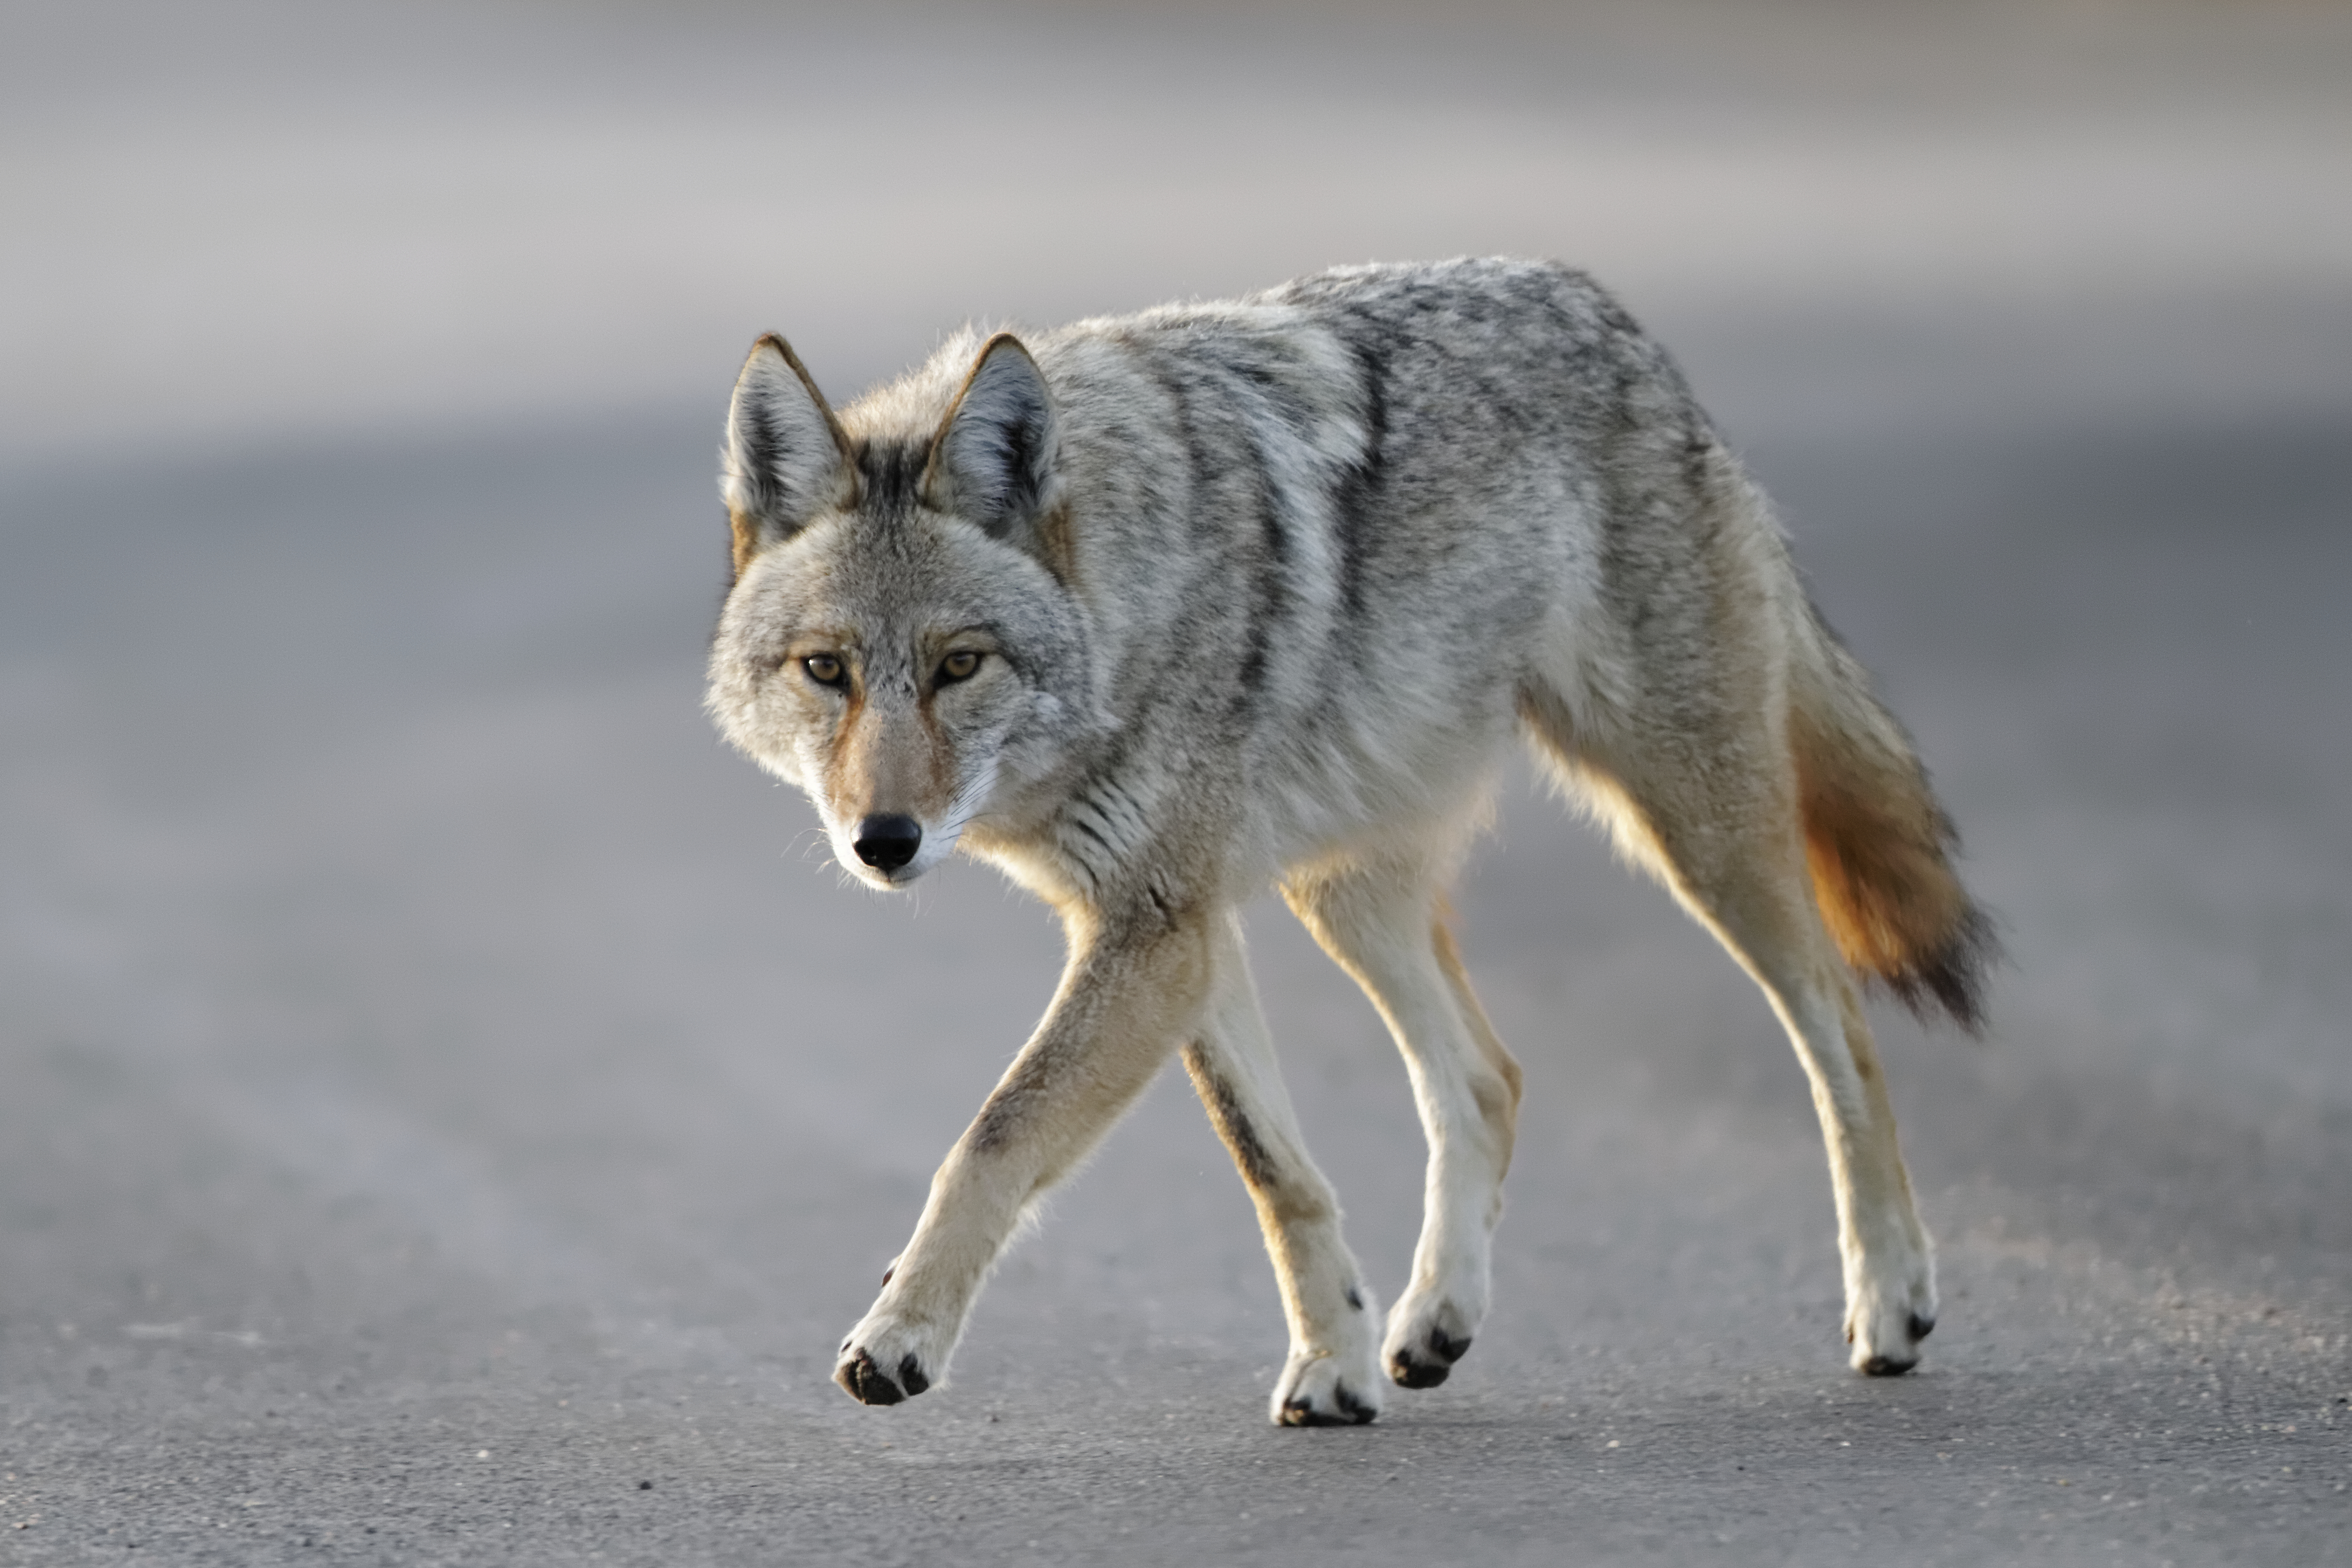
[451,1109]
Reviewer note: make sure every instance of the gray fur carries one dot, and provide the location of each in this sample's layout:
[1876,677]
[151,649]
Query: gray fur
[1258,590]
[1292,517]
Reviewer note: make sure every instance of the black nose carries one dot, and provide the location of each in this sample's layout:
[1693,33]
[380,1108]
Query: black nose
[887,843]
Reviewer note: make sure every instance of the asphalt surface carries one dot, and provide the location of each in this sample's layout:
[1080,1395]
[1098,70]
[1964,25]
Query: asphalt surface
[450,1109]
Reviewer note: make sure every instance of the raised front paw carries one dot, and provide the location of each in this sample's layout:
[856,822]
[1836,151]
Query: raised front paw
[883,1361]
[1427,1334]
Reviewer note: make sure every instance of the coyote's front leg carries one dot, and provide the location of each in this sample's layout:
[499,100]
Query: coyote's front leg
[1384,924]
[1332,1375]
[1135,985]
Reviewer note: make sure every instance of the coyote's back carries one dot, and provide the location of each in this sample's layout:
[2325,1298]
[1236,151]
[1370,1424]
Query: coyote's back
[1154,611]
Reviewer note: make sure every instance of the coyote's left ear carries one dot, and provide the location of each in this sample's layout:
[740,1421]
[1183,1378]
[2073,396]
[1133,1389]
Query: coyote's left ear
[996,458]
[785,457]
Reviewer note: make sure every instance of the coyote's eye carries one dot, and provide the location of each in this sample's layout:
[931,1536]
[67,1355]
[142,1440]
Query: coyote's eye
[958,667]
[824,668]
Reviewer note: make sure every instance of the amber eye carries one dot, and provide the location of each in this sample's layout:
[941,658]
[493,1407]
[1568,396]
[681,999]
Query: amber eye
[824,668]
[959,665]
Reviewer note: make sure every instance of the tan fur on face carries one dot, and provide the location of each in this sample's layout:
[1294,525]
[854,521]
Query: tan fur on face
[888,759]
[744,537]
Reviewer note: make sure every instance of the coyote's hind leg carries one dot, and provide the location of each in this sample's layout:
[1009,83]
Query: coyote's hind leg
[1762,909]
[1332,1376]
[1726,839]
[1384,925]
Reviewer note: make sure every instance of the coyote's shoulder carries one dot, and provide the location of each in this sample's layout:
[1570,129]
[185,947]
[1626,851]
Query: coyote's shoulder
[1158,610]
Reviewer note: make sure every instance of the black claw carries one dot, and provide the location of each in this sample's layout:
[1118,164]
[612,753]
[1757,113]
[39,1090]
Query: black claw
[864,1382]
[1888,1366]
[1353,1407]
[911,1373]
[1921,1327]
[1414,1374]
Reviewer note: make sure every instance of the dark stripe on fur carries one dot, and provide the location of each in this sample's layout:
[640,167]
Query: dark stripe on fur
[1253,670]
[1199,462]
[997,1120]
[1359,492]
[1270,580]
[1272,575]
[1256,1165]
[890,475]
[1074,820]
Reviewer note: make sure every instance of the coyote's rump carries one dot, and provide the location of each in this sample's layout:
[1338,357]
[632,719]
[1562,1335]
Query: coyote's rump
[1156,611]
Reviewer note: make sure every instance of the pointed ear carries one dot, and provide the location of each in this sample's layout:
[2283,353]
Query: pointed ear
[785,456]
[996,458]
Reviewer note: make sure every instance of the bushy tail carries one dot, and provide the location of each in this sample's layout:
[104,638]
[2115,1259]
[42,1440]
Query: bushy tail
[1878,844]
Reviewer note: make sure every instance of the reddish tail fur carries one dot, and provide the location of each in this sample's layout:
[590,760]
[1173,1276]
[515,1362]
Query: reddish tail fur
[1880,847]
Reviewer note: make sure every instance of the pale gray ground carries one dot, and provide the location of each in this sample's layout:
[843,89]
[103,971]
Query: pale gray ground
[449,1111]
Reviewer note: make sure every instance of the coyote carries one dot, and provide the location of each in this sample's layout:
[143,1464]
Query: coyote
[1154,611]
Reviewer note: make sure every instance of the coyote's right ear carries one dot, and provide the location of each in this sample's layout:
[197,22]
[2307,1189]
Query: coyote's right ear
[785,457]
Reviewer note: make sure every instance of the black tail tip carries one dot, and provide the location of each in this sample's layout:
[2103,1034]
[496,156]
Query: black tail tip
[1952,978]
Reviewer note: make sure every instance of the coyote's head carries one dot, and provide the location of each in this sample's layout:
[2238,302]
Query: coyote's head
[899,641]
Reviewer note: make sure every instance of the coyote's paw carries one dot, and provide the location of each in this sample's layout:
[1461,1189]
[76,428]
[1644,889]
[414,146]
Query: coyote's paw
[1319,1389]
[1889,1315]
[1337,1380]
[1428,1333]
[884,1360]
